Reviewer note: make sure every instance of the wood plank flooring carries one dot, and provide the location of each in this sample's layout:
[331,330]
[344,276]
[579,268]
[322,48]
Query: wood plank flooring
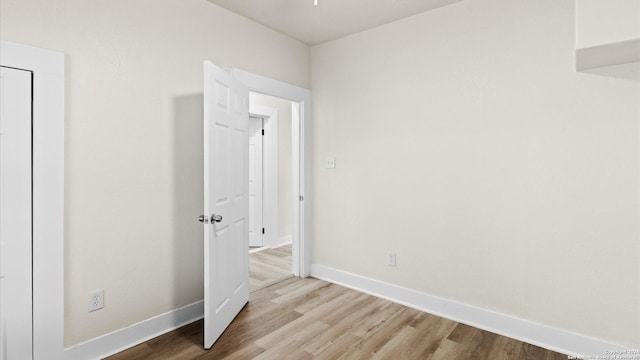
[269,266]
[312,319]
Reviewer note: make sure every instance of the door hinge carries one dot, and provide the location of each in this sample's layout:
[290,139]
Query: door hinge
[262,231]
[262,132]
[301,198]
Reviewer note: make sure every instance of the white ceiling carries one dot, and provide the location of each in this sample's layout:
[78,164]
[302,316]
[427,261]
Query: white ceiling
[331,19]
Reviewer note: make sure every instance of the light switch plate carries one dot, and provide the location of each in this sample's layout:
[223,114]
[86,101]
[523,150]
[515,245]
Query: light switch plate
[391,259]
[331,162]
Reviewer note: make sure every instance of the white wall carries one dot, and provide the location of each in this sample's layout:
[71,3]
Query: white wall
[603,22]
[466,142]
[285,187]
[134,141]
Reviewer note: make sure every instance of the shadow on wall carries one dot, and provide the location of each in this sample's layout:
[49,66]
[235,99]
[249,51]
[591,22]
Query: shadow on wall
[630,72]
[188,195]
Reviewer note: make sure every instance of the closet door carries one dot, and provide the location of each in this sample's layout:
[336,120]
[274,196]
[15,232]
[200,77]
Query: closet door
[15,215]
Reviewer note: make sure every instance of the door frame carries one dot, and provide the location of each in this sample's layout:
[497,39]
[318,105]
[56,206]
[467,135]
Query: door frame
[48,192]
[270,173]
[300,161]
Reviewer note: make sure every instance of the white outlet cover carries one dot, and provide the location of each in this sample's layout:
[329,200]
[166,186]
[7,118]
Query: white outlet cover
[96,300]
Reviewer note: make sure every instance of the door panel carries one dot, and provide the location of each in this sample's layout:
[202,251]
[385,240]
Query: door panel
[226,189]
[15,215]
[256,237]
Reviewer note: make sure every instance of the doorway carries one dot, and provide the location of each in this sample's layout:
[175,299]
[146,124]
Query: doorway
[271,191]
[300,161]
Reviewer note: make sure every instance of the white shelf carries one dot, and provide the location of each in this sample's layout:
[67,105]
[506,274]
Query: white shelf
[619,53]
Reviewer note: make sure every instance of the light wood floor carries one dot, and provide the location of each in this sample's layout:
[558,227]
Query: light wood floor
[267,267]
[312,319]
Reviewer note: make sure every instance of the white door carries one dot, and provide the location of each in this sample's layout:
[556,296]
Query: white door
[256,230]
[15,215]
[226,200]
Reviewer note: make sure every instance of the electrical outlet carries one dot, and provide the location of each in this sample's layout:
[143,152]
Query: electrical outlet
[96,300]
[391,259]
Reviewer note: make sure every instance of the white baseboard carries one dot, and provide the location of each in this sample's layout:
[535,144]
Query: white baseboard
[285,240]
[135,334]
[548,337]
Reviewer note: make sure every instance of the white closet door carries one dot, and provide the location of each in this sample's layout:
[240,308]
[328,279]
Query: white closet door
[255,182]
[15,215]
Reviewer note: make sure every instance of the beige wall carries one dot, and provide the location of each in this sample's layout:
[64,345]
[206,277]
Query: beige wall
[285,187]
[134,141]
[466,142]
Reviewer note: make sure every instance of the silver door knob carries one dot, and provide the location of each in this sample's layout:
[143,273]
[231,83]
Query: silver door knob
[203,219]
[216,218]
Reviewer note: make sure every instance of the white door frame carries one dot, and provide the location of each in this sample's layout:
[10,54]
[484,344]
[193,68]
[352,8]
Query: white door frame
[48,192]
[269,172]
[300,161]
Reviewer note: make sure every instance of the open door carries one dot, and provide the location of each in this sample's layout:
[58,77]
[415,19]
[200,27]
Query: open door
[226,200]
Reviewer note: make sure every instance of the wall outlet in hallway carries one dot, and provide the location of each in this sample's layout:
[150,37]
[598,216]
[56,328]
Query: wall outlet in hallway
[96,300]
[391,259]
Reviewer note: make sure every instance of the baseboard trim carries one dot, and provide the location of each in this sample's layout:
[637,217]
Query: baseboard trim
[548,337]
[119,340]
[285,240]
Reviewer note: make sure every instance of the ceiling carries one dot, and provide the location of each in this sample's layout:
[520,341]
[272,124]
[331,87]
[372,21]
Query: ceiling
[331,19]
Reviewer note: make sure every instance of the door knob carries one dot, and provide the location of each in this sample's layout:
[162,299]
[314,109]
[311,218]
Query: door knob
[216,218]
[203,219]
